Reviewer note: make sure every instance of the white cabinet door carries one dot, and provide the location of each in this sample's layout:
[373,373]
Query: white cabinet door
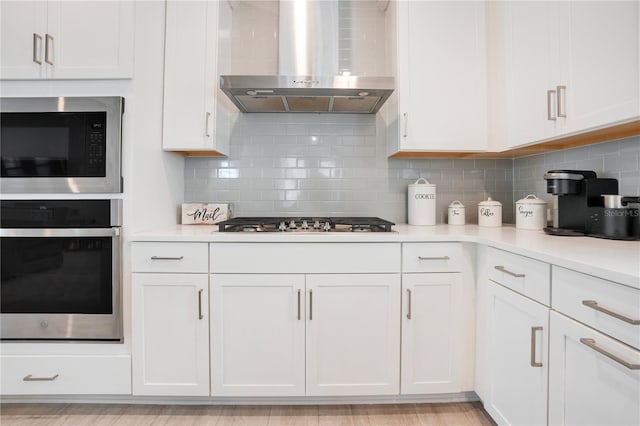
[191,77]
[529,31]
[67,39]
[431,333]
[257,335]
[587,387]
[569,67]
[23,26]
[353,334]
[517,357]
[600,47]
[442,77]
[90,39]
[170,335]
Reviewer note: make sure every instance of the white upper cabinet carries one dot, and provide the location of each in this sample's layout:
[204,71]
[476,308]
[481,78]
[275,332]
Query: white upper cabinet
[193,120]
[66,39]
[561,68]
[530,56]
[599,62]
[441,78]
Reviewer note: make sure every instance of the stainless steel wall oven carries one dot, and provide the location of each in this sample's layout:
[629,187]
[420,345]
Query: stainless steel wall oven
[61,145]
[60,270]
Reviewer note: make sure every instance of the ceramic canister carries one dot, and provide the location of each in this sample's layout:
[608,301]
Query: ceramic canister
[531,213]
[422,203]
[456,213]
[490,213]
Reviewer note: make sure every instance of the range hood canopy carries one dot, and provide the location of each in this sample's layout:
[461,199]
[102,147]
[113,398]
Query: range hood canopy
[339,94]
[309,79]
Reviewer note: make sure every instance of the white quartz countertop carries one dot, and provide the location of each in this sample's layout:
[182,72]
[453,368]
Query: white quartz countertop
[610,259]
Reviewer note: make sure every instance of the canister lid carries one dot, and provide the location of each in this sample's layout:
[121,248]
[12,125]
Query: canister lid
[426,183]
[457,204]
[489,202]
[531,199]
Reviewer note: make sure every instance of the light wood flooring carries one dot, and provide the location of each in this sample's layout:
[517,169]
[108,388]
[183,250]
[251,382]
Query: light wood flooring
[449,414]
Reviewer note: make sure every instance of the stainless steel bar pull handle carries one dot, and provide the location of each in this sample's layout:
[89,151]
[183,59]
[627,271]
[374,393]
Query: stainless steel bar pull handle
[594,305]
[533,347]
[408,304]
[560,101]
[406,125]
[200,316]
[592,344]
[47,50]
[299,310]
[166,258]
[506,271]
[37,45]
[550,94]
[310,305]
[30,378]
[206,124]
[434,258]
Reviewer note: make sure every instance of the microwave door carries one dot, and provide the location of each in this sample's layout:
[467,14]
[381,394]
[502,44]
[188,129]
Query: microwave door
[40,145]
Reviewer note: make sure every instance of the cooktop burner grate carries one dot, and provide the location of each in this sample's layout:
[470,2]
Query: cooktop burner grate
[305,224]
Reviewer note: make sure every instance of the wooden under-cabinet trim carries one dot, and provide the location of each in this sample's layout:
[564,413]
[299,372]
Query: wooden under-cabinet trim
[199,153]
[618,131]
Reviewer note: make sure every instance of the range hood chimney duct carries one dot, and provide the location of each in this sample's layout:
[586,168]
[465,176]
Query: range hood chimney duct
[309,78]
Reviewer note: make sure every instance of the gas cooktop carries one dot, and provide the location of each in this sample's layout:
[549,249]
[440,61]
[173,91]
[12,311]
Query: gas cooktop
[305,224]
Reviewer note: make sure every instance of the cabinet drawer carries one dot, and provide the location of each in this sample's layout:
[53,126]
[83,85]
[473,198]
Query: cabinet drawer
[431,257]
[170,257]
[605,305]
[527,276]
[55,375]
[302,258]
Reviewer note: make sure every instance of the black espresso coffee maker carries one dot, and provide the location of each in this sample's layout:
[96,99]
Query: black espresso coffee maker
[575,191]
[584,204]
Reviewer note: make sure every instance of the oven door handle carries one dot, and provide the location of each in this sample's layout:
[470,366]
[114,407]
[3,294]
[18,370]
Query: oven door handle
[60,232]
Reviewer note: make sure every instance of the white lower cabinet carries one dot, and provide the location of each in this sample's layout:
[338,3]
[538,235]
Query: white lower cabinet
[353,334]
[594,379]
[296,319]
[65,374]
[594,375]
[170,334]
[517,357]
[432,333]
[271,333]
[257,335]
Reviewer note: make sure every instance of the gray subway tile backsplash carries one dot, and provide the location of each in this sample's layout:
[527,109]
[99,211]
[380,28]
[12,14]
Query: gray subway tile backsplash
[310,164]
[615,159]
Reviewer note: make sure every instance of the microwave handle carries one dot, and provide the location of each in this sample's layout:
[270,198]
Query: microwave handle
[60,232]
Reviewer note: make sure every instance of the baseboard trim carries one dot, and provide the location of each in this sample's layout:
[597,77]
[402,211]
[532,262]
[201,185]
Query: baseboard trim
[173,400]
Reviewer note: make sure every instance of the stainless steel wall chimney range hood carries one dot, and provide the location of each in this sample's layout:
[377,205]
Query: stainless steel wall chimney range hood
[310,78]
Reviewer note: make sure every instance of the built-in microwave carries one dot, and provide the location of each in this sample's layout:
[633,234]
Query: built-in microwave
[61,145]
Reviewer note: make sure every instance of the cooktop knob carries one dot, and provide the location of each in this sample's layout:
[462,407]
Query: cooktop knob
[292,224]
[282,226]
[327,226]
[304,225]
[316,224]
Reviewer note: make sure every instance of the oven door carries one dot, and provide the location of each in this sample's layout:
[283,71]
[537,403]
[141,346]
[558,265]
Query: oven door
[60,145]
[60,284]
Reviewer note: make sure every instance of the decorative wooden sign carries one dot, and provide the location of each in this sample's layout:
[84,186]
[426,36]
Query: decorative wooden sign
[205,214]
